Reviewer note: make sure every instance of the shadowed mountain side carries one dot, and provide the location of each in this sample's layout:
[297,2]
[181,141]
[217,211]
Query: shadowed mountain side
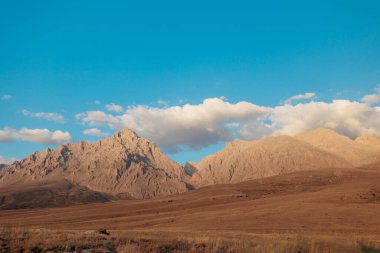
[48,194]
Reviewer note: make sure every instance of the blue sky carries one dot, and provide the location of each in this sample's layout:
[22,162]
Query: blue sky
[60,56]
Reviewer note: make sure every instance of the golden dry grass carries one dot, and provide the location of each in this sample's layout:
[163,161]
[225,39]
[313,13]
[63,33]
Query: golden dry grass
[44,240]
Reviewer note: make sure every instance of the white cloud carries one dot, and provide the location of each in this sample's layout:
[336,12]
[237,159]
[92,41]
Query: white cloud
[95,132]
[194,126]
[372,98]
[34,135]
[97,102]
[307,95]
[50,116]
[114,107]
[215,120]
[347,117]
[100,118]
[5,160]
[6,97]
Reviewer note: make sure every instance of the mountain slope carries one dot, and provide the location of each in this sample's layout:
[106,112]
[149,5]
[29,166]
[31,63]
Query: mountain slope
[369,140]
[363,150]
[122,164]
[245,160]
[318,149]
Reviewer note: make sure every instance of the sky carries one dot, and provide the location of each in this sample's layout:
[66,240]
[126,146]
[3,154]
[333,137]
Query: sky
[188,75]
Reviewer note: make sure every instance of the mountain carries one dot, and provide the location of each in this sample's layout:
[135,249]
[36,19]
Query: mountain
[363,150]
[122,165]
[130,167]
[368,140]
[245,160]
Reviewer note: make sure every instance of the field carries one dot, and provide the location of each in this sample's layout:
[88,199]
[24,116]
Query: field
[315,211]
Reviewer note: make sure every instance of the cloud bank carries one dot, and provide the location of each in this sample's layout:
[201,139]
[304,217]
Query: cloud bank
[216,120]
[346,117]
[34,135]
[194,126]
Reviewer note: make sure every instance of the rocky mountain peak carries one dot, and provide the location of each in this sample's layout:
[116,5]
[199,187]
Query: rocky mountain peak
[121,164]
[128,136]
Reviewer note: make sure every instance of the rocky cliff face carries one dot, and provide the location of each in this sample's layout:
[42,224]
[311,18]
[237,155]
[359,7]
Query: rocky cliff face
[319,149]
[122,164]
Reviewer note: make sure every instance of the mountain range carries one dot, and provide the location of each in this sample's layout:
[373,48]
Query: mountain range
[127,166]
